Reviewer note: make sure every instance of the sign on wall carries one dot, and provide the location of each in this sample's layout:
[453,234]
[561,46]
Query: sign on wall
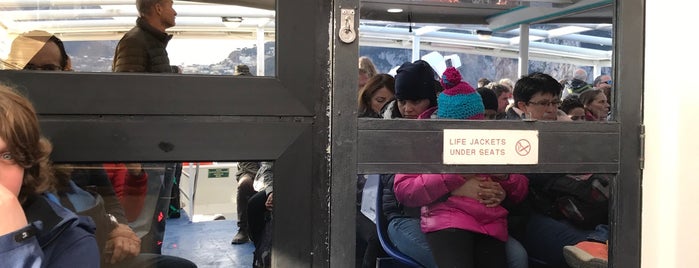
[490,147]
[218,173]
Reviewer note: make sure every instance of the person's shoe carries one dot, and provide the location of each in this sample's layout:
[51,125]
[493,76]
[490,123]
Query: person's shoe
[587,254]
[240,238]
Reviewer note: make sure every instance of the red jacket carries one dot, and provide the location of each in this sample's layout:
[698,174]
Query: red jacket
[130,189]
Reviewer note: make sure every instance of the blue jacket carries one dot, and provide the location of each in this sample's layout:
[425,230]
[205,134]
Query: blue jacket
[55,237]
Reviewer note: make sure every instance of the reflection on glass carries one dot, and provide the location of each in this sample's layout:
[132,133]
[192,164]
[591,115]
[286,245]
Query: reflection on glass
[207,38]
[559,50]
[136,208]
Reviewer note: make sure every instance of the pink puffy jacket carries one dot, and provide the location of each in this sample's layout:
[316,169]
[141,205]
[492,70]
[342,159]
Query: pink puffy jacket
[458,212]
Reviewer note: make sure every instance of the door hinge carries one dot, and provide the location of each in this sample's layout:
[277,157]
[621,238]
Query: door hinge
[642,146]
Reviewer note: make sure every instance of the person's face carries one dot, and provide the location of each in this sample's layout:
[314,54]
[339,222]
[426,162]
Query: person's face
[599,106]
[379,99]
[411,109]
[605,82]
[503,101]
[11,174]
[48,58]
[167,13]
[577,114]
[541,106]
[363,78]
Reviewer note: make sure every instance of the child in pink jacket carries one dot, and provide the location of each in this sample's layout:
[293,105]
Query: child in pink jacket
[461,231]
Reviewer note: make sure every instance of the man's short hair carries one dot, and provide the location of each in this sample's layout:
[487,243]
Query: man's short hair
[499,89]
[144,6]
[534,83]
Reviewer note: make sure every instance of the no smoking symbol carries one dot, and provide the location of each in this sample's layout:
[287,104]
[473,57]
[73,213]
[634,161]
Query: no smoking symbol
[523,147]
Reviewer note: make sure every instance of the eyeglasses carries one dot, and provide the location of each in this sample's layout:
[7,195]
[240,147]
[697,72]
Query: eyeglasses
[547,103]
[45,67]
[609,82]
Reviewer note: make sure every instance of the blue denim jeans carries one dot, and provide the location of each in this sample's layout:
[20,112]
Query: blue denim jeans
[406,235]
[545,238]
[516,254]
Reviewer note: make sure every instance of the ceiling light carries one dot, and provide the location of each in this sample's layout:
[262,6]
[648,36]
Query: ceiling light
[394,10]
[483,34]
[232,22]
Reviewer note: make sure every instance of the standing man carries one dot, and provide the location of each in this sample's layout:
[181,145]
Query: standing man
[142,49]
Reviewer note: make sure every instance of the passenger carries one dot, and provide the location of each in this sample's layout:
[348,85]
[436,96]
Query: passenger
[573,108]
[548,229]
[490,103]
[504,94]
[416,88]
[130,184]
[260,210]
[461,230]
[245,190]
[38,50]
[88,192]
[483,82]
[379,91]
[577,85]
[604,83]
[121,241]
[367,70]
[417,83]
[142,49]
[596,105]
[244,176]
[508,83]
[35,230]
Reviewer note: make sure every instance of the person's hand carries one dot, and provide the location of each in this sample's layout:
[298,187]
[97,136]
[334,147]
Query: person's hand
[12,216]
[470,188]
[491,193]
[134,169]
[269,204]
[123,243]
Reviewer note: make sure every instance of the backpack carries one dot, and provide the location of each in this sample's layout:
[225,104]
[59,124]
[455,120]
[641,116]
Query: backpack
[582,200]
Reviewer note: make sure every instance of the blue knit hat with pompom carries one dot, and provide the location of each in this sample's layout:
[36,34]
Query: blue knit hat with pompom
[458,100]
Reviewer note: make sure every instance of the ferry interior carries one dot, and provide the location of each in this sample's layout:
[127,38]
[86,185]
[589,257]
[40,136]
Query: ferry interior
[207,121]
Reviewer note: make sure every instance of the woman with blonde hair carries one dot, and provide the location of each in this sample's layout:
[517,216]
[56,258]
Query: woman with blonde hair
[35,230]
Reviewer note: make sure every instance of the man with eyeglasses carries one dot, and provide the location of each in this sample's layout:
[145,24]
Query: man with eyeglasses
[537,97]
[549,237]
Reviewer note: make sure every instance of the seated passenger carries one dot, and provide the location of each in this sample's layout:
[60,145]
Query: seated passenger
[573,108]
[461,230]
[556,200]
[88,192]
[596,105]
[245,176]
[378,91]
[35,230]
[260,213]
[118,243]
[417,86]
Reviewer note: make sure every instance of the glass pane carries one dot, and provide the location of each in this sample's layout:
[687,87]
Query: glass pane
[565,51]
[207,38]
[186,211]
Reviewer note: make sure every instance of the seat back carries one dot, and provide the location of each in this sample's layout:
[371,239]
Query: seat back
[382,231]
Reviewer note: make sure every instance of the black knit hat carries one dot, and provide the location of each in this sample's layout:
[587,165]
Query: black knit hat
[416,81]
[490,101]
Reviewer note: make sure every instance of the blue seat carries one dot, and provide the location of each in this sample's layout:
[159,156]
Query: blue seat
[401,260]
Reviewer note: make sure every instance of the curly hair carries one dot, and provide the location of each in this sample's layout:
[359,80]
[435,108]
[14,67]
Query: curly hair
[19,128]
